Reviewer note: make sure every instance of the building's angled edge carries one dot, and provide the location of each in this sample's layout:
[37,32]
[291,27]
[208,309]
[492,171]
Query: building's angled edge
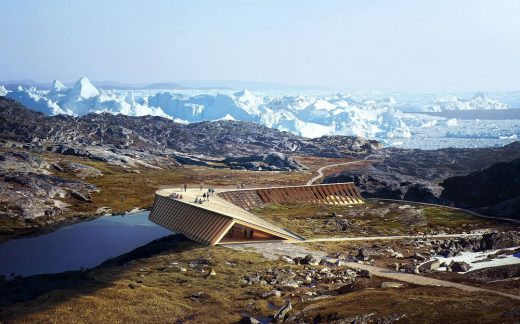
[195,223]
[207,226]
[202,225]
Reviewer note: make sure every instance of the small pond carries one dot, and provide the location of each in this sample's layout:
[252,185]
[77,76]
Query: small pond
[85,244]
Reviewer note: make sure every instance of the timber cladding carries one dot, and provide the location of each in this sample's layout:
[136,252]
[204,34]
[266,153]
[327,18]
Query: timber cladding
[335,193]
[222,218]
[197,224]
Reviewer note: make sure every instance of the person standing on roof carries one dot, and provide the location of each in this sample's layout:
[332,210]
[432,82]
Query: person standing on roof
[185,187]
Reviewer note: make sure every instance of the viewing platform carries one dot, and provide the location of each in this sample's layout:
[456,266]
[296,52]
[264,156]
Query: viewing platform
[223,217]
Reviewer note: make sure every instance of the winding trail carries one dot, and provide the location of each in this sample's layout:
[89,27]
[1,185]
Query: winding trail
[424,281]
[274,250]
[469,212]
[320,170]
[383,238]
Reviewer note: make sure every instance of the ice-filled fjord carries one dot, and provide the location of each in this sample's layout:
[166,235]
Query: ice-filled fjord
[408,120]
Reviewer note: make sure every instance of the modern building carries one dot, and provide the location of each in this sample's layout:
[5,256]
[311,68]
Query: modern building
[224,217]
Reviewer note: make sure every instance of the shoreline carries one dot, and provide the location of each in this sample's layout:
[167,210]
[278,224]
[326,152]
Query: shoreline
[61,223]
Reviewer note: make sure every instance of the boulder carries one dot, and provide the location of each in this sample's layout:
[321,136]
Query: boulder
[249,320]
[430,266]
[365,274]
[80,196]
[419,257]
[288,284]
[502,240]
[309,259]
[446,253]
[391,284]
[282,312]
[287,259]
[364,254]
[274,292]
[351,287]
[459,266]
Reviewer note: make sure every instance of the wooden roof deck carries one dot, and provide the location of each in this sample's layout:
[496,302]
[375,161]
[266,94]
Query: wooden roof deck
[208,222]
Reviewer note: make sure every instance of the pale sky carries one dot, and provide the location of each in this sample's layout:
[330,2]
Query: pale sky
[391,45]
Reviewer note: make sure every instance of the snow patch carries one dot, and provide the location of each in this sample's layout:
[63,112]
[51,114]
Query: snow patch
[479,260]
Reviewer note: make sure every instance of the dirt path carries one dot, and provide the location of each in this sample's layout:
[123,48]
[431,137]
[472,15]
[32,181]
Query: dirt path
[469,212]
[423,281]
[320,175]
[320,170]
[273,250]
[383,238]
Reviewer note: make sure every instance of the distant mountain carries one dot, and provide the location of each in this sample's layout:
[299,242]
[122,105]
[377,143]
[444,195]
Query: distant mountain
[183,84]
[13,84]
[238,84]
[165,85]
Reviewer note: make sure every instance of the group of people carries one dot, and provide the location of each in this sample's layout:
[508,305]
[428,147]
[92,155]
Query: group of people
[205,196]
[176,195]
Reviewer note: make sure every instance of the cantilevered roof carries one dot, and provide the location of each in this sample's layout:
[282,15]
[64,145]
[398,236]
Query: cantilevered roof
[208,222]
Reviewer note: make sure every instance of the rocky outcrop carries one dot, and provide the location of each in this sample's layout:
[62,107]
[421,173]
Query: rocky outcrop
[43,194]
[501,240]
[272,161]
[495,273]
[485,187]
[415,175]
[78,170]
[156,134]
[377,185]
[30,187]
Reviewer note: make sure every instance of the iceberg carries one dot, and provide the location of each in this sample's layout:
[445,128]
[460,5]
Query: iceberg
[306,114]
[3,91]
[478,102]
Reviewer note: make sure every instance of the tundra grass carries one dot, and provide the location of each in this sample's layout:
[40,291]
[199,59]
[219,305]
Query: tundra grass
[372,219]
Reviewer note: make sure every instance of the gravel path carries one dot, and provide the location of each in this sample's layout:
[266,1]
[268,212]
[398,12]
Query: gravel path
[320,170]
[383,238]
[467,211]
[273,250]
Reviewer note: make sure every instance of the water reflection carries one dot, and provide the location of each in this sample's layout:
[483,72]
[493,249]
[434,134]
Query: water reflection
[80,245]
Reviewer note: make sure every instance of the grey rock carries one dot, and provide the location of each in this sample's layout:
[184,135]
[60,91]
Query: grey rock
[502,240]
[309,259]
[391,284]
[446,253]
[249,320]
[430,266]
[283,311]
[287,259]
[419,257]
[459,266]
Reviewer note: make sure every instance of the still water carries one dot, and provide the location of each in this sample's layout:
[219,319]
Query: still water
[85,244]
